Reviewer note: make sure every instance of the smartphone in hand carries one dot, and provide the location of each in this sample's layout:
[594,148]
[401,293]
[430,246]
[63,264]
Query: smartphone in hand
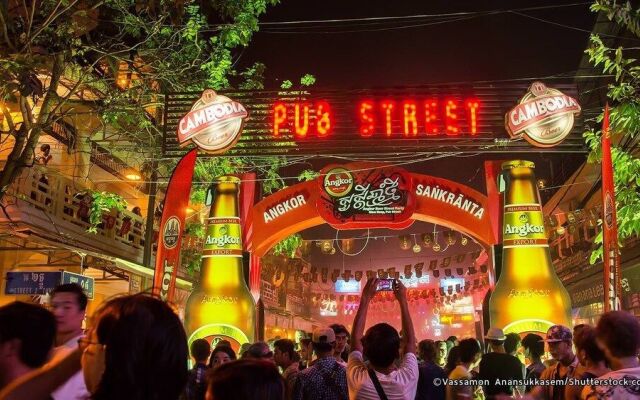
[386,285]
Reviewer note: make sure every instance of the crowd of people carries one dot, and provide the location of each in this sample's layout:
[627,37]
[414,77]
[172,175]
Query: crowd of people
[136,348]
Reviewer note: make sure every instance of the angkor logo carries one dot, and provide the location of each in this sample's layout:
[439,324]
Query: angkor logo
[608,211]
[171,232]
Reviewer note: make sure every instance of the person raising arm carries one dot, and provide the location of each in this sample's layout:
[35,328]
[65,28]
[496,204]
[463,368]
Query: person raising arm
[381,346]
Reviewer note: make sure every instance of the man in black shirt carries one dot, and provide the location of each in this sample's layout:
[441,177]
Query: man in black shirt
[497,364]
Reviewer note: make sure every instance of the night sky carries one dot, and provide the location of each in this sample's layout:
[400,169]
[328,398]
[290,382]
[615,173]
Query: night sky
[498,46]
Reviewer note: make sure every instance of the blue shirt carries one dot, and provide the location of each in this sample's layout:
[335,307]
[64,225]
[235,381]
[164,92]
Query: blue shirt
[324,380]
[427,390]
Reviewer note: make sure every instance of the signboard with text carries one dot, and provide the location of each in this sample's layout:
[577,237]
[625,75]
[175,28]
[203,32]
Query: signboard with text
[31,283]
[435,118]
[352,197]
[86,282]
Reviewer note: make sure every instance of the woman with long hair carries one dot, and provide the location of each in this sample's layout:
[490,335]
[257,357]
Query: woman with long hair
[136,349]
[221,355]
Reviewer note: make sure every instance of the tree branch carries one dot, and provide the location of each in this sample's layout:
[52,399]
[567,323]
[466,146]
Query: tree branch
[5,32]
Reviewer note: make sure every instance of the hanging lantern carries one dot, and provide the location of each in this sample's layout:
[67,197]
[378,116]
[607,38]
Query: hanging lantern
[459,271]
[305,248]
[347,245]
[358,276]
[427,239]
[436,247]
[464,241]
[407,271]
[333,250]
[324,275]
[418,267]
[436,273]
[450,238]
[405,242]
[416,248]
[334,275]
[326,246]
[561,230]
[346,275]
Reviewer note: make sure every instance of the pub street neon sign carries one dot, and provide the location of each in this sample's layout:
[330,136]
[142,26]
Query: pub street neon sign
[387,118]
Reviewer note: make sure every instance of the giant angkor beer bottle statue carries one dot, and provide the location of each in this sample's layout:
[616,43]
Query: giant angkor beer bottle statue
[221,306]
[528,295]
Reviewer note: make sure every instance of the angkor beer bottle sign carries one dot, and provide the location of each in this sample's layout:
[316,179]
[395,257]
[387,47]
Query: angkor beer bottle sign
[214,123]
[544,116]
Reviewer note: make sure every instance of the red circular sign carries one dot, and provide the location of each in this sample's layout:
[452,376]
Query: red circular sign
[338,182]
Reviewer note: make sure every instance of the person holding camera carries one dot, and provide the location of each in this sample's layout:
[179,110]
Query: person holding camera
[381,380]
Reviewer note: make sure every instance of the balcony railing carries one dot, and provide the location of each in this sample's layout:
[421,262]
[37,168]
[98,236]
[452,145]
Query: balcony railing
[52,206]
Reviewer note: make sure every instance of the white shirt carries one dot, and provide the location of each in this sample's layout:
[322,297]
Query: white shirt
[615,392]
[400,384]
[74,388]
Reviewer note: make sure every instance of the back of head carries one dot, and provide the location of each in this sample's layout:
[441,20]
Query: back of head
[427,349]
[511,342]
[381,345]
[257,350]
[468,349]
[585,340]
[200,350]
[145,349]
[247,379]
[33,326]
[534,343]
[75,289]
[620,333]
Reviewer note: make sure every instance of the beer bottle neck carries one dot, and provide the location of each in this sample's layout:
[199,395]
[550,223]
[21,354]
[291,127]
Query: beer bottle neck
[222,253]
[521,191]
[218,273]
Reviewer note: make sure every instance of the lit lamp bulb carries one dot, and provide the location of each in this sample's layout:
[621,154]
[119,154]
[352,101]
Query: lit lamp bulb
[416,248]
[326,246]
[405,244]
[436,247]
[464,241]
[560,230]
[427,239]
[333,250]
[451,239]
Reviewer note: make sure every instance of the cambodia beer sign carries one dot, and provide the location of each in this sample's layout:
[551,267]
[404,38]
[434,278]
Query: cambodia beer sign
[544,116]
[213,124]
[361,197]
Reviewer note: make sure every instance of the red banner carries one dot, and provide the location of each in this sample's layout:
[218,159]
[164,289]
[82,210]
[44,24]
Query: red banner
[611,261]
[172,226]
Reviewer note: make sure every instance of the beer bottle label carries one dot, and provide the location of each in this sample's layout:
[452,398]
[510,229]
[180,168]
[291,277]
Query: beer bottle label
[223,238]
[524,226]
[213,333]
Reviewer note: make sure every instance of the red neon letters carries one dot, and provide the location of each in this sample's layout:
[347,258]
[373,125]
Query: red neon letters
[388,118]
[302,119]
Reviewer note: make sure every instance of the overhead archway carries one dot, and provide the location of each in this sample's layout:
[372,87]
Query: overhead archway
[437,200]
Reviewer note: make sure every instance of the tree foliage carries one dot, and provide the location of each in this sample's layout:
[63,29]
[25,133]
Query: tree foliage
[112,59]
[624,95]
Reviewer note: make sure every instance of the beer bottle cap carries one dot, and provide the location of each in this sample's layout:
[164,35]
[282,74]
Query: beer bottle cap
[517,164]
